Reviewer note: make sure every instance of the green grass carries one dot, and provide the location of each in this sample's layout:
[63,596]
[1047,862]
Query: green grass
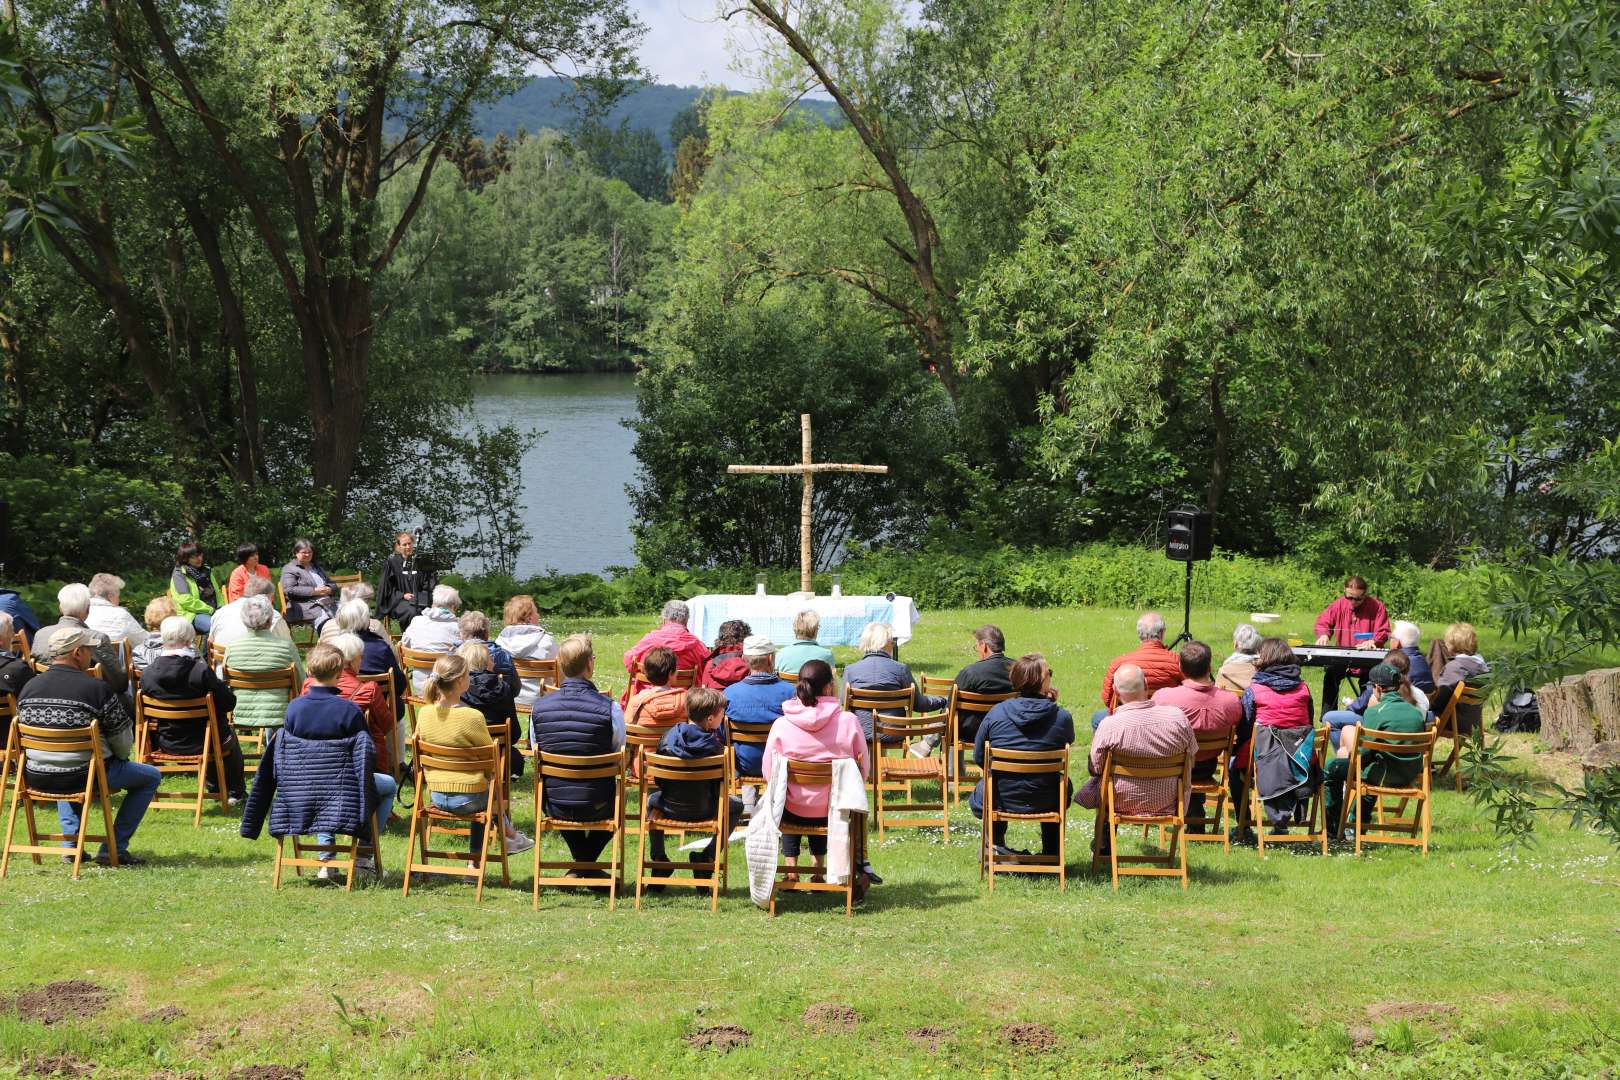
[1291,965]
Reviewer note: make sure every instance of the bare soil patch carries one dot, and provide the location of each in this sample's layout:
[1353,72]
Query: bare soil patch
[1030,1038]
[163,1015]
[1361,1036]
[1387,1012]
[831,1017]
[57,1065]
[267,1072]
[930,1038]
[723,1038]
[69,999]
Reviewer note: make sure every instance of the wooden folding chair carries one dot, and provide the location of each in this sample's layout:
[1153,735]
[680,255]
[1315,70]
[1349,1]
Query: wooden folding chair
[384,682]
[1214,789]
[1316,823]
[347,856]
[252,739]
[741,734]
[428,820]
[639,741]
[964,703]
[1024,763]
[20,643]
[789,677]
[149,712]
[793,877]
[294,625]
[1117,767]
[216,655]
[8,716]
[580,767]
[415,661]
[85,740]
[909,769]
[893,702]
[548,673]
[709,875]
[683,678]
[1445,727]
[340,580]
[1408,830]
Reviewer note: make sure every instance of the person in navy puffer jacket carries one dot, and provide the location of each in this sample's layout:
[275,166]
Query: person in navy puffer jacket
[576,719]
[1030,721]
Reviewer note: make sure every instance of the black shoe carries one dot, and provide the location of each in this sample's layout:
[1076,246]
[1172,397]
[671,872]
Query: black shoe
[124,859]
[871,874]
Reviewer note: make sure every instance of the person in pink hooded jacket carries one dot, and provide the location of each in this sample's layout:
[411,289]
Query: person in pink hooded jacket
[814,727]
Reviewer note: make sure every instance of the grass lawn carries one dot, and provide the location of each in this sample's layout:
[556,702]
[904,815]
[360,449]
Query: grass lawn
[1475,960]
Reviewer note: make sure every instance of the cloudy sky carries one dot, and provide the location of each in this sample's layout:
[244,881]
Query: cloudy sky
[686,43]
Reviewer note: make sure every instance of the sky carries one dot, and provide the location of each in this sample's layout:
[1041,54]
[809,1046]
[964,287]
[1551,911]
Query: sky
[686,43]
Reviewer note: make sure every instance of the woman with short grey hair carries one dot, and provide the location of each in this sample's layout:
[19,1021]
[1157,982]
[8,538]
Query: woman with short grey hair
[1237,671]
[879,670]
[259,652]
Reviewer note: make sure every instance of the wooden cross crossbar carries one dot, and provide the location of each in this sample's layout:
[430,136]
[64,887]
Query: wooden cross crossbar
[807,470]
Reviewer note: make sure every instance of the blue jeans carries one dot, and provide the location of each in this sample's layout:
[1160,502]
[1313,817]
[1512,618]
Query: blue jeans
[386,788]
[1337,720]
[465,802]
[202,624]
[1097,718]
[140,784]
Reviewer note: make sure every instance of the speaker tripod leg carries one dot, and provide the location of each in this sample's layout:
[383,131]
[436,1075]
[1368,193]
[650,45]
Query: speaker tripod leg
[1186,610]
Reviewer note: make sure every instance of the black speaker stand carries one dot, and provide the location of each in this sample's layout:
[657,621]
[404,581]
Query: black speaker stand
[1186,611]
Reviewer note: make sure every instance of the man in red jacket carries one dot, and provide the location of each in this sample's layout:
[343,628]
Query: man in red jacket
[673,635]
[1353,620]
[1160,667]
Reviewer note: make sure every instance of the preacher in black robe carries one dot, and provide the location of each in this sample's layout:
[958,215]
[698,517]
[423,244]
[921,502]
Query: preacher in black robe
[406,586]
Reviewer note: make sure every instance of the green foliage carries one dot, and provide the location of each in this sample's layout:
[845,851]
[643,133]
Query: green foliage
[83,516]
[632,155]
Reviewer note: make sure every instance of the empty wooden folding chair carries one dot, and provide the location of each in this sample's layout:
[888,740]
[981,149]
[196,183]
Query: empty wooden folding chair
[580,767]
[149,713]
[1445,727]
[1399,827]
[1214,790]
[909,770]
[428,821]
[1138,769]
[1053,763]
[709,875]
[794,877]
[741,734]
[43,740]
[252,740]
[968,711]
[894,703]
[1316,831]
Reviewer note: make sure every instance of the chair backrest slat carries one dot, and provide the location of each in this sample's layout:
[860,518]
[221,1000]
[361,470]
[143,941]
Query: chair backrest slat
[747,734]
[279,679]
[1138,767]
[154,709]
[809,773]
[50,740]
[664,767]
[459,759]
[910,726]
[579,766]
[857,698]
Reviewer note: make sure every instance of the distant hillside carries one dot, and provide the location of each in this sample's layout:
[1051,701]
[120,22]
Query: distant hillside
[543,103]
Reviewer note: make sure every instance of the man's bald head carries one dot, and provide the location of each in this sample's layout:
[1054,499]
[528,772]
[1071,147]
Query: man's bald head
[1130,684]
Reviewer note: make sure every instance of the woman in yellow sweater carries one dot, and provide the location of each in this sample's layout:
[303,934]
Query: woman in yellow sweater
[443,722]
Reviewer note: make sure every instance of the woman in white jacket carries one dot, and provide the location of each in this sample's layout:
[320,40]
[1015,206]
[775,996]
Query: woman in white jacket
[525,639]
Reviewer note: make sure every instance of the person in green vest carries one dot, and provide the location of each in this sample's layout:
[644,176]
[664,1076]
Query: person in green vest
[1387,710]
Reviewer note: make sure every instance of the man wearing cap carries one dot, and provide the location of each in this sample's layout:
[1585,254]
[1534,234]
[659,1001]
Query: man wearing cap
[66,698]
[757,699]
[1386,711]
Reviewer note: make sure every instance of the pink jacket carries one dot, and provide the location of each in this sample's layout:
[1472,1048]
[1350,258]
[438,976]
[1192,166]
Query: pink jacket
[823,732]
[1342,621]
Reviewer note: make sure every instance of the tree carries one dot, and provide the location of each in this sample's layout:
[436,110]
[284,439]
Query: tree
[632,155]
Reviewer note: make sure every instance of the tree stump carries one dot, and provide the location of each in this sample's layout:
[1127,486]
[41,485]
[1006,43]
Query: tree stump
[1566,714]
[1603,687]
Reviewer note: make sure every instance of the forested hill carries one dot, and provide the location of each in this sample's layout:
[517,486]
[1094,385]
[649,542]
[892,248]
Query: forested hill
[543,103]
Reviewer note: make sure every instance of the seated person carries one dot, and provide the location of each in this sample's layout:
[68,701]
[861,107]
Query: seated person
[577,720]
[436,630]
[660,703]
[524,638]
[406,586]
[157,609]
[107,616]
[247,566]
[494,696]
[690,652]
[757,699]
[1210,710]
[1278,708]
[311,598]
[365,695]
[73,601]
[698,736]
[1140,727]
[806,625]
[15,671]
[814,727]
[987,675]
[191,587]
[323,714]
[474,626]
[356,590]
[376,656]
[1030,721]
[22,616]
[1355,620]
[1386,711]
[227,623]
[176,674]
[1460,663]
[64,696]
[443,722]
[1158,664]
[1237,670]
[1338,719]
[725,665]
[877,669]
[261,651]
[1406,635]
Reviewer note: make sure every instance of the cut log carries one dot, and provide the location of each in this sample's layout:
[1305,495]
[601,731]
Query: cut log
[1603,688]
[1603,756]
[1566,714]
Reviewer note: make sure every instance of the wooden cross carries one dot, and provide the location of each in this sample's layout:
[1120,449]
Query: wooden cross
[806,469]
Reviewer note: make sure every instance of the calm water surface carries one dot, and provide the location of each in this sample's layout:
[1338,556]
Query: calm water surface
[573,496]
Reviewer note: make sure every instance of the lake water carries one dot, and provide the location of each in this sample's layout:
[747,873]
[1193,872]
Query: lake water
[573,498]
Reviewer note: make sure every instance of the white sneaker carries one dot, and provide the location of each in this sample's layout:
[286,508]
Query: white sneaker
[518,843]
[329,874]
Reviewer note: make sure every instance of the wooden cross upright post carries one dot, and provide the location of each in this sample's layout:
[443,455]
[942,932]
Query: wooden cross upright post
[806,469]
